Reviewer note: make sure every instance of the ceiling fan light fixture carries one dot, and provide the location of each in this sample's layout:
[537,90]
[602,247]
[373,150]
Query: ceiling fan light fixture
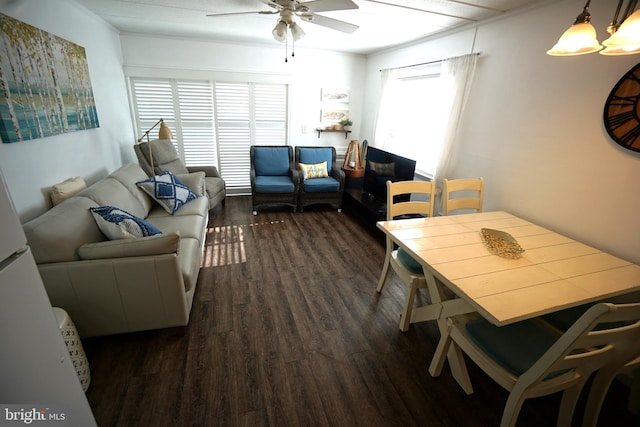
[280,31]
[296,31]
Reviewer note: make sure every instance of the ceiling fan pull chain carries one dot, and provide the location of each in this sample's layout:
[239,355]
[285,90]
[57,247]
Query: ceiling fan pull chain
[286,46]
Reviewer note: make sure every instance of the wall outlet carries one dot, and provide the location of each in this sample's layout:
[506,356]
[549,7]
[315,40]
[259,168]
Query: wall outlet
[303,129]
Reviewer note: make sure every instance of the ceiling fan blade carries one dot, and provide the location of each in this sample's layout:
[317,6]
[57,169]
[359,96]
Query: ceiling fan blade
[334,24]
[329,5]
[261,12]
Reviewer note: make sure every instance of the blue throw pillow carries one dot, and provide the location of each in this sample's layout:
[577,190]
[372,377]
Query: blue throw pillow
[168,190]
[118,224]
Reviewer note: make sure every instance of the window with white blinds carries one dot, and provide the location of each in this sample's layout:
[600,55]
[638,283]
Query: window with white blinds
[214,123]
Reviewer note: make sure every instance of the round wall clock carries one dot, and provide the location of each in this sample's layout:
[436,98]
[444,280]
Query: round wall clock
[621,111]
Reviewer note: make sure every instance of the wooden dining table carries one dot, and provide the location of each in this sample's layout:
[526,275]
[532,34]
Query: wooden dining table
[554,272]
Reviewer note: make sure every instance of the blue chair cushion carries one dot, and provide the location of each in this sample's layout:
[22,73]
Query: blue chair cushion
[274,184]
[271,161]
[515,347]
[318,185]
[409,262]
[312,156]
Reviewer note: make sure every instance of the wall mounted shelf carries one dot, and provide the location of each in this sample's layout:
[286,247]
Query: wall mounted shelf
[346,132]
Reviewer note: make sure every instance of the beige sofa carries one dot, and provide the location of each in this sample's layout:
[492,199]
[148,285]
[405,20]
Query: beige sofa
[126,285]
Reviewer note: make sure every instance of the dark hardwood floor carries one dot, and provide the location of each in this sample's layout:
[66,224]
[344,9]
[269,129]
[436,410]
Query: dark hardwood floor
[287,330]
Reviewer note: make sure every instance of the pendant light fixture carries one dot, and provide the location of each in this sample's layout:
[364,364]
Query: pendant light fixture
[581,39]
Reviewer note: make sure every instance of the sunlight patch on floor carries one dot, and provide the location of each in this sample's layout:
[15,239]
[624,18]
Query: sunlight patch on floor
[225,244]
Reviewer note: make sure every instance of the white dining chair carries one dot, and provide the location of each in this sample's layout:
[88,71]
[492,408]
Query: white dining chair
[529,359]
[464,193]
[407,268]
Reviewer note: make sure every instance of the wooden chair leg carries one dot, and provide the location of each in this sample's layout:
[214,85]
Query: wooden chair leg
[568,403]
[512,408]
[601,382]
[385,268]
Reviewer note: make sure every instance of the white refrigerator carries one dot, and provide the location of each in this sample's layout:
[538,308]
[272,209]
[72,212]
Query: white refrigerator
[38,383]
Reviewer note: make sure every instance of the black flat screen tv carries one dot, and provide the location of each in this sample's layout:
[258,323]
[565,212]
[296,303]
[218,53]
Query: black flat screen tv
[382,166]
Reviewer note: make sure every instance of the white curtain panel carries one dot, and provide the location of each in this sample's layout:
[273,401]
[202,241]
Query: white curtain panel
[457,73]
[383,126]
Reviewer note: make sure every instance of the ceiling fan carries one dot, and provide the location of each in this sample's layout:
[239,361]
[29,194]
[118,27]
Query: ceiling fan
[307,11]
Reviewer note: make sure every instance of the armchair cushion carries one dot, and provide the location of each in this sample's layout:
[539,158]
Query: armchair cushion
[271,161]
[165,156]
[318,185]
[118,224]
[274,184]
[168,190]
[314,171]
[315,156]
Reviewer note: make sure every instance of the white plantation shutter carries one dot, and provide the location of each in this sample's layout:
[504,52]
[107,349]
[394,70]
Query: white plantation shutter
[214,123]
[195,124]
[233,122]
[152,100]
[270,114]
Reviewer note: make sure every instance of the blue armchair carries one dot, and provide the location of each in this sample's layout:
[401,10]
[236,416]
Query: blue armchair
[274,178]
[320,187]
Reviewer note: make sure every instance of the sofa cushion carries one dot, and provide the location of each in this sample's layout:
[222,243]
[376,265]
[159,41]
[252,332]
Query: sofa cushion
[274,184]
[321,185]
[316,155]
[56,235]
[318,170]
[168,190]
[128,175]
[271,161]
[111,192]
[116,223]
[139,246]
[195,181]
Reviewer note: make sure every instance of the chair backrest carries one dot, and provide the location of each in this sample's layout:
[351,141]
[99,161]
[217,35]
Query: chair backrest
[163,155]
[470,196]
[271,160]
[604,334]
[397,206]
[315,155]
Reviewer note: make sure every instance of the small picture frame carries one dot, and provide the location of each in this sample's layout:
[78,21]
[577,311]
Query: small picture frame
[333,115]
[335,95]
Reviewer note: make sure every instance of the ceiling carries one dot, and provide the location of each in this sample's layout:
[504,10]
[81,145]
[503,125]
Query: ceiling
[381,23]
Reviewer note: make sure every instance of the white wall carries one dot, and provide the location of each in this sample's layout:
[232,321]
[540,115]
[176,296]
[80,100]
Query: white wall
[533,125]
[308,72]
[30,167]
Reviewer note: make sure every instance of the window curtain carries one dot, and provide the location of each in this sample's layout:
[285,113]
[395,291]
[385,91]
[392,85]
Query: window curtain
[457,74]
[383,126]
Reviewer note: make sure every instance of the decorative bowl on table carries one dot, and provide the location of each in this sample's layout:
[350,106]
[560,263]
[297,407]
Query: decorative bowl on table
[501,243]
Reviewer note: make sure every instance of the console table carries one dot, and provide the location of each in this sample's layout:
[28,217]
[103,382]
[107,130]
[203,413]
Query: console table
[368,208]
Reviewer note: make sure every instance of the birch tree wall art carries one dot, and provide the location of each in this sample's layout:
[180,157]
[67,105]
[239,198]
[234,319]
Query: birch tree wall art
[45,87]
